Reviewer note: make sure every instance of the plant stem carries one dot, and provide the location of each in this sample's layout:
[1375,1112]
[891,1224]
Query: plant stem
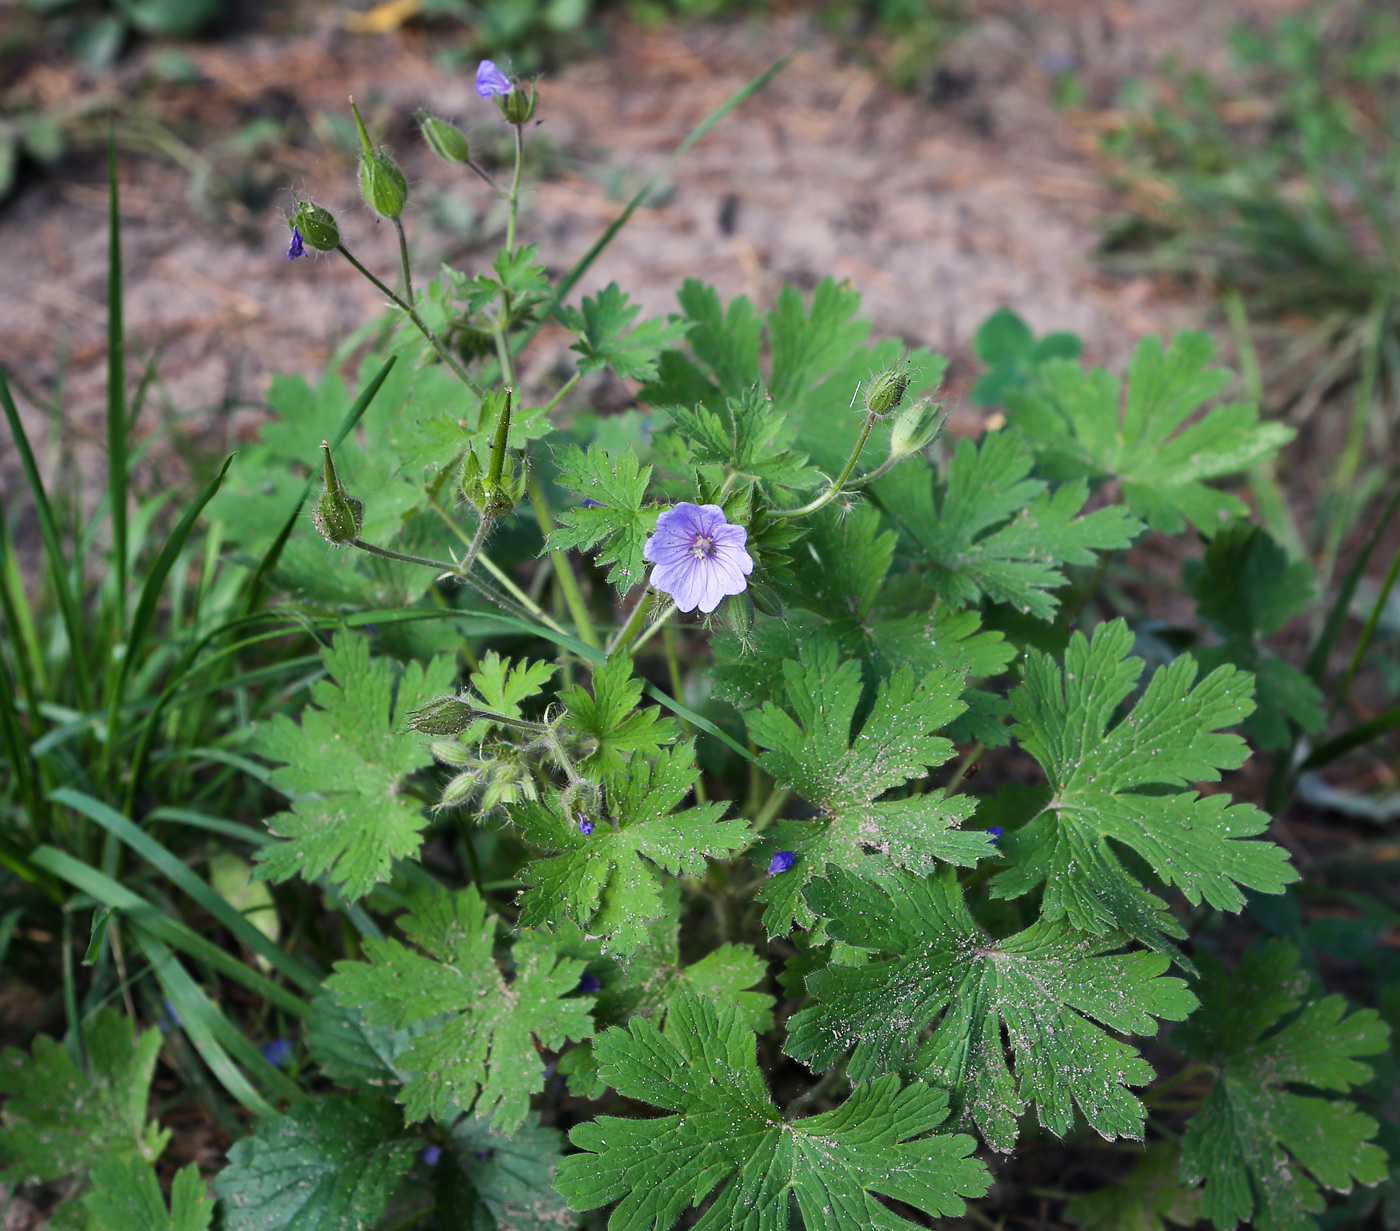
[673,666]
[634,622]
[767,814]
[559,397]
[412,313]
[403,260]
[513,201]
[486,175]
[650,630]
[835,489]
[563,568]
[389,554]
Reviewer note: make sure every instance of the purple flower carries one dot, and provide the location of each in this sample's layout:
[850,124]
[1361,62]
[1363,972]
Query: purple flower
[296,248]
[591,504]
[490,81]
[699,556]
[994,832]
[585,827]
[781,862]
[429,1155]
[589,983]
[277,1053]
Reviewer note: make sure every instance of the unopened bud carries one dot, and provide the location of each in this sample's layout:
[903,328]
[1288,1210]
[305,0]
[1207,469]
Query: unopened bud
[337,514]
[445,140]
[442,716]
[317,226]
[886,391]
[451,752]
[460,789]
[382,184]
[916,427]
[518,106]
[739,615]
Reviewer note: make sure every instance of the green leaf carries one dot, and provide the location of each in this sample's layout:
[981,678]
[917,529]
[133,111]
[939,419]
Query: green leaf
[616,522]
[356,1053]
[126,1197]
[725,341]
[329,1164]
[512,1178]
[609,720]
[1107,785]
[1045,987]
[1073,417]
[746,436]
[604,881]
[483,1051]
[655,976]
[843,770]
[606,342]
[1005,343]
[1264,1149]
[1151,1195]
[345,766]
[60,1119]
[990,531]
[1247,588]
[501,686]
[802,342]
[727,1131]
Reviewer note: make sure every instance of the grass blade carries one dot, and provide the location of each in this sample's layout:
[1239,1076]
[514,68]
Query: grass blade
[198,1018]
[213,824]
[1362,733]
[176,871]
[135,908]
[53,549]
[116,387]
[1316,667]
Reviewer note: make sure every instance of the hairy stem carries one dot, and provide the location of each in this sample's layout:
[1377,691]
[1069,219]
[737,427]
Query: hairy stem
[835,489]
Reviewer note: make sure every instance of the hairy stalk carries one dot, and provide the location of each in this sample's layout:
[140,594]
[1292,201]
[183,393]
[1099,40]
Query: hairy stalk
[835,488]
[634,622]
[412,313]
[563,568]
[407,268]
[389,554]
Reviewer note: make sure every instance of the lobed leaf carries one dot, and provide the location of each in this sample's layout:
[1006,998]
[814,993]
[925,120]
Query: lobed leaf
[344,768]
[615,521]
[1045,987]
[726,1133]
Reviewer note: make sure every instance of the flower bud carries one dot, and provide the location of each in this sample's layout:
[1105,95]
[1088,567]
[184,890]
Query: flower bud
[518,106]
[884,394]
[382,184]
[317,226]
[445,140]
[739,615]
[337,514]
[451,752]
[442,716]
[915,428]
[460,789]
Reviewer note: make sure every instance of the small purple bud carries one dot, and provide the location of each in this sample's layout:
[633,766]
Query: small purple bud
[781,862]
[277,1053]
[429,1155]
[297,248]
[589,983]
[172,1020]
[592,504]
[484,1153]
[585,827]
[490,81]
[994,832]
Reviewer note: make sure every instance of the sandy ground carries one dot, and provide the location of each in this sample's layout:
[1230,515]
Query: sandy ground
[939,206]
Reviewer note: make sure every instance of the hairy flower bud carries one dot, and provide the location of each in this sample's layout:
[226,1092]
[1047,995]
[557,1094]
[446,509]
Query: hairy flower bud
[519,105]
[884,394]
[382,184]
[316,226]
[916,427]
[442,716]
[337,514]
[460,789]
[451,752]
[445,140]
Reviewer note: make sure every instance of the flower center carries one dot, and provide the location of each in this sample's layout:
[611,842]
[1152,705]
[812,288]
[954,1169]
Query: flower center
[702,546]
